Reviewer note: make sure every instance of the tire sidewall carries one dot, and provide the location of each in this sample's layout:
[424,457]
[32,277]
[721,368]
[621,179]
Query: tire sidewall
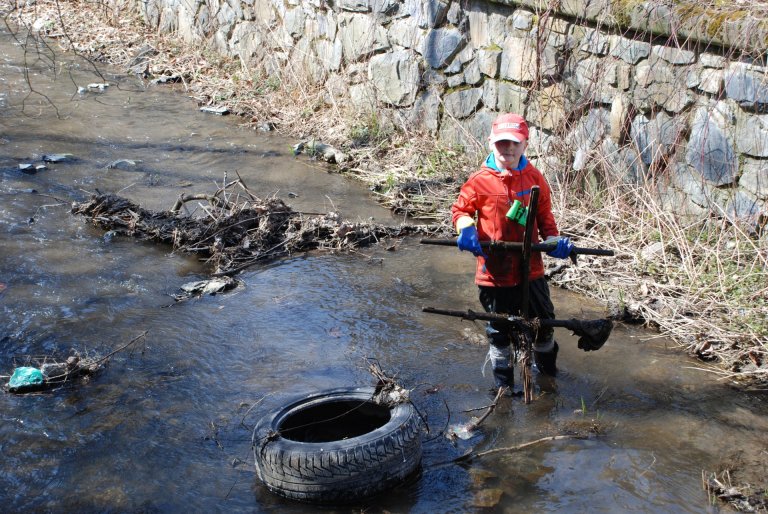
[399,414]
[268,439]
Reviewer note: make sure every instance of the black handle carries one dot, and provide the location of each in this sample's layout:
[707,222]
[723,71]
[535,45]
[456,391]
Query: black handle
[513,246]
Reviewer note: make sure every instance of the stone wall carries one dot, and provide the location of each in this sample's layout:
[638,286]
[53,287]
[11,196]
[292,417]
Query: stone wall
[609,86]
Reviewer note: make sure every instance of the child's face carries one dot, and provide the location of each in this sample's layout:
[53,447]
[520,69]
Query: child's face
[508,153]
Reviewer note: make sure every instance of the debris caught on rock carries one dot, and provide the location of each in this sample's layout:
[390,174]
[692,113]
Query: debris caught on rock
[166,79]
[319,150]
[388,391]
[747,499]
[121,164]
[466,430]
[206,287]
[266,126]
[31,169]
[40,373]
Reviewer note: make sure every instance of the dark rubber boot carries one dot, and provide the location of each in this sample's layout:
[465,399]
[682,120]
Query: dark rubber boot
[504,377]
[500,358]
[545,361]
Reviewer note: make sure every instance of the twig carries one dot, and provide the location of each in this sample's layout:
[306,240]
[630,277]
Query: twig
[245,187]
[121,348]
[242,420]
[445,427]
[491,407]
[479,408]
[472,455]
[472,425]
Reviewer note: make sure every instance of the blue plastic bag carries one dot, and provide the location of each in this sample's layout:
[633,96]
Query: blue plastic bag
[25,377]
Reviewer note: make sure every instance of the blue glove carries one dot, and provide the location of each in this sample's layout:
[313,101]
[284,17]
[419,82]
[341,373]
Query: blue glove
[563,248]
[468,241]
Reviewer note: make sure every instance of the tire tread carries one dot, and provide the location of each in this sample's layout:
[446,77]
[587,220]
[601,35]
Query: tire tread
[343,474]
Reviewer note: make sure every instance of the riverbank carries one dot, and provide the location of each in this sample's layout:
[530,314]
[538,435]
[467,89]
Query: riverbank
[701,282]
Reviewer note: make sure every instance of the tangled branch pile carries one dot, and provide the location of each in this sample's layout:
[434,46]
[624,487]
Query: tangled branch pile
[235,233]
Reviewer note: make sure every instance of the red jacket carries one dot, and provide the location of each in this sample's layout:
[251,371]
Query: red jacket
[488,194]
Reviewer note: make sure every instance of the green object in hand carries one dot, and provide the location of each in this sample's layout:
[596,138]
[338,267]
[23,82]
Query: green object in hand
[518,212]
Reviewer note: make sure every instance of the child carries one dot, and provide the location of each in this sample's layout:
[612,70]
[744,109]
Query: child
[479,214]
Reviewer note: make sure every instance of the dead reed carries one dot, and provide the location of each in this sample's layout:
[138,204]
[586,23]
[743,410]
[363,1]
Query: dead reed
[702,280]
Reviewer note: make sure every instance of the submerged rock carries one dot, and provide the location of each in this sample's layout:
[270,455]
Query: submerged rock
[487,498]
[58,157]
[122,164]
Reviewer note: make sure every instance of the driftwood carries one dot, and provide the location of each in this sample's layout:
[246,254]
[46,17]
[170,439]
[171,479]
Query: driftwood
[508,449]
[53,373]
[236,231]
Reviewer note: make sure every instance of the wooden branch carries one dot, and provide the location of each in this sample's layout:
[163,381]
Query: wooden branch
[245,188]
[184,198]
[475,422]
[123,347]
[471,455]
[490,409]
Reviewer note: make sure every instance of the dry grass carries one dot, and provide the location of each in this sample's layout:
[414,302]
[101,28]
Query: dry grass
[703,282]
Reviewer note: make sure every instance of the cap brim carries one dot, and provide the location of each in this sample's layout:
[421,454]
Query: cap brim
[508,136]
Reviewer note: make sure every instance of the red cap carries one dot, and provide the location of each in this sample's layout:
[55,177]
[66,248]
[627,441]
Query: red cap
[510,127]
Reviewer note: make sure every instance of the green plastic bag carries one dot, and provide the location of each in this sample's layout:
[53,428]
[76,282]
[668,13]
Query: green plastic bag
[25,377]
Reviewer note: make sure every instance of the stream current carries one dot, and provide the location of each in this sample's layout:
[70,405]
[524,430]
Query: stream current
[167,425]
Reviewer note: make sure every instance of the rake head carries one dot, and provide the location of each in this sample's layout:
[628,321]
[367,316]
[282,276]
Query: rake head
[592,333]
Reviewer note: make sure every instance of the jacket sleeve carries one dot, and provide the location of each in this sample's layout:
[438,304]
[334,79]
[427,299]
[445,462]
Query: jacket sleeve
[545,220]
[465,206]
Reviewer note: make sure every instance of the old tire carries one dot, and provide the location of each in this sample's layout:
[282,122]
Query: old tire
[337,446]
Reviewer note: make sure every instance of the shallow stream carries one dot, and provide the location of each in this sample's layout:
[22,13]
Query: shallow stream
[167,425]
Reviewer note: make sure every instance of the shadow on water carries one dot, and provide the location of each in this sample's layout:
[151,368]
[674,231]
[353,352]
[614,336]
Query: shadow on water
[167,426]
